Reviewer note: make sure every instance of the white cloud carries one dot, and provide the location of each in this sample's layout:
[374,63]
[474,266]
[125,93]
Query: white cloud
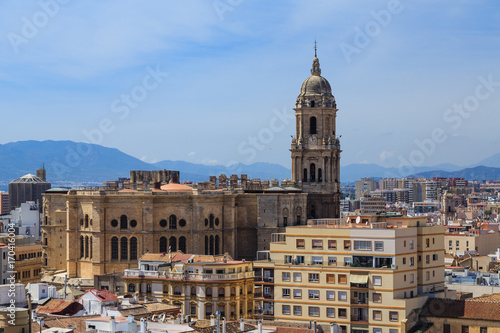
[385,155]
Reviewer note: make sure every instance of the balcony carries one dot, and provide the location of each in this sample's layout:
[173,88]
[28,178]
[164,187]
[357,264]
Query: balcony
[187,276]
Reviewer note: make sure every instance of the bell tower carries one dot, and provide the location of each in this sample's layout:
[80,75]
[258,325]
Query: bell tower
[315,148]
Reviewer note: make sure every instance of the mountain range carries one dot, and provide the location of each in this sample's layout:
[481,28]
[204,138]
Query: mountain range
[74,164]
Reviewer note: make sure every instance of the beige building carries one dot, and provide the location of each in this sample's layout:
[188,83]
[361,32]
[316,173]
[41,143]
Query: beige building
[365,274]
[482,241]
[200,285]
[105,230]
[365,185]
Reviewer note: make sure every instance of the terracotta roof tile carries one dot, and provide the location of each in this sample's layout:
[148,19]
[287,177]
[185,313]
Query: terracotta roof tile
[76,323]
[467,309]
[103,295]
[60,307]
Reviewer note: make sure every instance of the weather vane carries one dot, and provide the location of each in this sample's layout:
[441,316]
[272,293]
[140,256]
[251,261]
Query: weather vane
[315,55]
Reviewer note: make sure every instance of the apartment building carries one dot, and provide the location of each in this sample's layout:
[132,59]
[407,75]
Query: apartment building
[365,273]
[200,285]
[365,185]
[483,242]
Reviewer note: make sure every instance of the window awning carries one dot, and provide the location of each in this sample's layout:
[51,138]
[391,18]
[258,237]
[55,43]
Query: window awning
[361,279]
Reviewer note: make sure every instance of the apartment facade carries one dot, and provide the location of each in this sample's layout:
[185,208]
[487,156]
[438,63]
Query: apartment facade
[365,274]
[200,285]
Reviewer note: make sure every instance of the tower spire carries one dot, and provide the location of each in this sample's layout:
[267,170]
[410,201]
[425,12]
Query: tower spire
[316,70]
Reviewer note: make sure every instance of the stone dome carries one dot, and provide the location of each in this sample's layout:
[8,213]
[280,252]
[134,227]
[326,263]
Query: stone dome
[316,85]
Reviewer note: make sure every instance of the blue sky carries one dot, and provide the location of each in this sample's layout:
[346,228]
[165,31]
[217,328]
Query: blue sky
[228,73]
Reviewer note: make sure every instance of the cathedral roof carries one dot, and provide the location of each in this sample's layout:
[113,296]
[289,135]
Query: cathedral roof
[172,187]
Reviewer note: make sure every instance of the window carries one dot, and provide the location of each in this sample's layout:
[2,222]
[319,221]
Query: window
[446,328]
[412,278]
[297,310]
[182,244]
[288,259]
[377,280]
[483,330]
[412,262]
[465,329]
[379,246]
[313,277]
[377,315]
[377,330]
[317,244]
[297,293]
[133,248]
[285,276]
[313,311]
[362,245]
[342,278]
[342,296]
[330,295]
[312,125]
[404,261]
[299,260]
[286,292]
[434,257]
[330,312]
[332,261]
[332,244]
[285,309]
[427,276]
[123,248]
[411,245]
[404,243]
[300,243]
[458,243]
[427,243]
[377,298]
[450,243]
[433,240]
[393,315]
[347,244]
[342,313]
[163,244]
[427,259]
[393,330]
[313,294]
[123,222]
[297,277]
[347,261]
[114,223]
[330,278]
[317,260]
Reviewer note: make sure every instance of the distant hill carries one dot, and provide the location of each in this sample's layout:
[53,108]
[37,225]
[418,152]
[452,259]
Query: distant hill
[477,173]
[492,161]
[74,164]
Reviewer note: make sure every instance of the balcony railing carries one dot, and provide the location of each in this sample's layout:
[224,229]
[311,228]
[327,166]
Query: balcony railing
[187,276]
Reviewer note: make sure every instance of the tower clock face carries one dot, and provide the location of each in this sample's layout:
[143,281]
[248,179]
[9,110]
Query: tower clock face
[313,140]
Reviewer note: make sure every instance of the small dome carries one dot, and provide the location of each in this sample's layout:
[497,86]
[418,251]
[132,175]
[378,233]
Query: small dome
[176,188]
[315,85]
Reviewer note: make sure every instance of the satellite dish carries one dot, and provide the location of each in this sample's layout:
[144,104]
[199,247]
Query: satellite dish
[358,219]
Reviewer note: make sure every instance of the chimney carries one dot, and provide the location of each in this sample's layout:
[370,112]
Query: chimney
[242,325]
[259,326]
[112,321]
[212,320]
[224,325]
[143,326]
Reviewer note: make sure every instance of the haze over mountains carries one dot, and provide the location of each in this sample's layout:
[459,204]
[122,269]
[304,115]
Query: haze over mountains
[74,164]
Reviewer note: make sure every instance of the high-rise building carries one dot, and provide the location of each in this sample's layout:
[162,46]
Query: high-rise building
[4,203]
[366,273]
[365,185]
[27,188]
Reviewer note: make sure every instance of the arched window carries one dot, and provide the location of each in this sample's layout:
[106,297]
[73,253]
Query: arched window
[312,125]
[82,247]
[206,222]
[211,220]
[172,222]
[123,222]
[165,288]
[193,291]
[86,221]
[90,245]
[206,245]
[209,292]
[124,248]
[217,242]
[312,104]
[233,291]
[304,179]
[163,244]
[133,248]
[148,288]
[312,169]
[182,244]
[86,246]
[114,248]
[177,291]
[131,288]
[173,244]
[320,175]
[212,245]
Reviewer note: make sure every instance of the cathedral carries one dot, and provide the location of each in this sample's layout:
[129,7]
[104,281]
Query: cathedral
[89,232]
